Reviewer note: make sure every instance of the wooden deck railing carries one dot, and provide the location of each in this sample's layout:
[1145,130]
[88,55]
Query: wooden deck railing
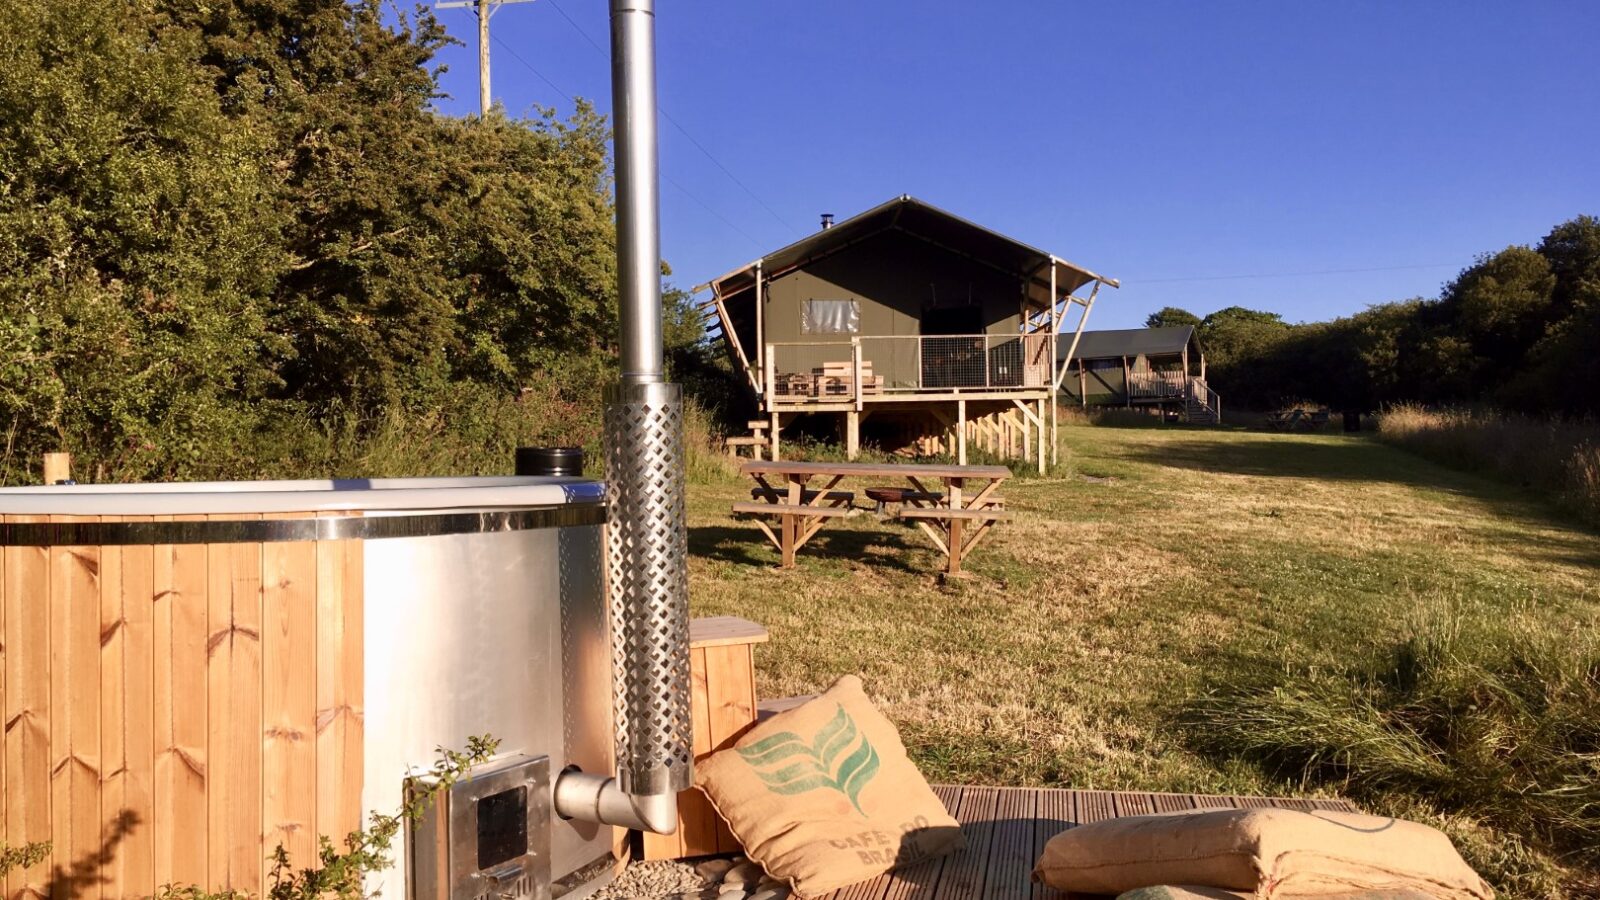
[871,365]
[1148,384]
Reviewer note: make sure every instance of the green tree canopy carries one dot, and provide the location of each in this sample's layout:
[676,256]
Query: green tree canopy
[1171,316]
[222,220]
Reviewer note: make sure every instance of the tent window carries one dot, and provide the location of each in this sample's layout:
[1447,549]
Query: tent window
[830,317]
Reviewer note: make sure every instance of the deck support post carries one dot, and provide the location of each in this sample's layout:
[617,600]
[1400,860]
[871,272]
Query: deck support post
[852,435]
[961,432]
[777,425]
[1041,432]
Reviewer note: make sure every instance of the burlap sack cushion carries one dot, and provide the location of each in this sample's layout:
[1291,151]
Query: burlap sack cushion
[824,796]
[1273,852]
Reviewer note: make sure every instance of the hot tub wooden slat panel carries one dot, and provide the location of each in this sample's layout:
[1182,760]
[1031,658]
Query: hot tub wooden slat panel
[5,708]
[339,687]
[75,698]
[233,685]
[113,726]
[289,697]
[134,854]
[181,708]
[27,706]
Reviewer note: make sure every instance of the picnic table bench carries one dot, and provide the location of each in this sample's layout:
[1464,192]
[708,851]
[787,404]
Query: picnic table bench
[1298,419]
[956,518]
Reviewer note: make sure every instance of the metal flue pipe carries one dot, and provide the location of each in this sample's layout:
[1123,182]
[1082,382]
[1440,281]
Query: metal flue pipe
[647,552]
[633,93]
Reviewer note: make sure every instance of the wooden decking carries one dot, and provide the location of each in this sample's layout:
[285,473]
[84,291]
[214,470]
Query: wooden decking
[1007,828]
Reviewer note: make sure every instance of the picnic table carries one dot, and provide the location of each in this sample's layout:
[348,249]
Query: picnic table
[956,518]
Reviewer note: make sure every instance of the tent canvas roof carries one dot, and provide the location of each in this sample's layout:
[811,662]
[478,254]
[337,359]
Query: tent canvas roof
[1131,342]
[929,223]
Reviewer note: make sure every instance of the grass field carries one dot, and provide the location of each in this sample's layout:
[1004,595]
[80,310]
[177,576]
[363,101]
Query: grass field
[1159,564]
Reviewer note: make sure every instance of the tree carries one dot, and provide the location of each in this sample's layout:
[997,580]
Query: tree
[136,248]
[1171,316]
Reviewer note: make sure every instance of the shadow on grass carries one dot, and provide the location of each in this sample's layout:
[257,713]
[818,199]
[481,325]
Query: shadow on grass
[746,545]
[1353,459]
[1358,459]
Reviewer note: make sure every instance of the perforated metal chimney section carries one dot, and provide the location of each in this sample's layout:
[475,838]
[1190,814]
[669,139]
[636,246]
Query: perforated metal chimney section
[648,556]
[647,553]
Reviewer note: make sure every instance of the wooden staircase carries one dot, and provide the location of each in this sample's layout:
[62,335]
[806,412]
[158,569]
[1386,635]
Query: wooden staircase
[1202,405]
[758,440]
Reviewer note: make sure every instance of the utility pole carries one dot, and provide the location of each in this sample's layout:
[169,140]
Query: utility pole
[484,9]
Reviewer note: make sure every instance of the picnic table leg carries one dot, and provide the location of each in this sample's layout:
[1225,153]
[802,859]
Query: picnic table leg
[788,540]
[955,547]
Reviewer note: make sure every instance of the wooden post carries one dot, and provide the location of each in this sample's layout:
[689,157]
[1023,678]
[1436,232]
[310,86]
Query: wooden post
[761,330]
[1083,386]
[768,370]
[57,467]
[1041,432]
[961,432]
[852,434]
[1127,383]
[953,536]
[855,362]
[777,425]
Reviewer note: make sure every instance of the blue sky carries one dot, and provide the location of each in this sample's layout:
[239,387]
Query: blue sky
[1171,145]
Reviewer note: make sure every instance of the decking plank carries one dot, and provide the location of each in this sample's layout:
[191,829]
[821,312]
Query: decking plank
[918,882]
[1057,812]
[1173,802]
[1011,856]
[1007,829]
[965,874]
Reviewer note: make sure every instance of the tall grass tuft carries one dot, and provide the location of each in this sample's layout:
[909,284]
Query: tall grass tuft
[1488,719]
[1559,457]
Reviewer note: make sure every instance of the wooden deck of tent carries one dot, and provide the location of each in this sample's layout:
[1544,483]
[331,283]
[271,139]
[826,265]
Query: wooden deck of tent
[1007,828]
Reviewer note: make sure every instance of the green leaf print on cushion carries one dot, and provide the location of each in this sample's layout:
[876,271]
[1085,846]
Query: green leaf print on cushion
[790,765]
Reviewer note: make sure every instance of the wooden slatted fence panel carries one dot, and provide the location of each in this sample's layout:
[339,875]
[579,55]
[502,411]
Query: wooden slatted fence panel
[289,697]
[27,707]
[173,712]
[340,687]
[135,855]
[233,723]
[76,836]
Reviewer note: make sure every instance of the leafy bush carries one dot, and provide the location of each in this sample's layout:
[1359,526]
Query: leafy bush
[1487,725]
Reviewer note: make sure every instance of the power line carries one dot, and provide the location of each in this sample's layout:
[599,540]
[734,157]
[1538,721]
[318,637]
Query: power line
[667,178]
[529,66]
[676,124]
[670,180]
[1286,274]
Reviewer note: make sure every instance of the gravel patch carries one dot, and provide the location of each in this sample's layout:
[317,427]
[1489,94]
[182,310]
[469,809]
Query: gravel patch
[713,879]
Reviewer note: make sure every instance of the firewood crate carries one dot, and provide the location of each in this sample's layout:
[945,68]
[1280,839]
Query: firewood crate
[723,680]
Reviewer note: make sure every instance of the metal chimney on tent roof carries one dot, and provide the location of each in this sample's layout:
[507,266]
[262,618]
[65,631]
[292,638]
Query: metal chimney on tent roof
[647,553]
[827,221]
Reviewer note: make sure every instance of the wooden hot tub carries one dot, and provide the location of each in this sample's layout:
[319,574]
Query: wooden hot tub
[196,673]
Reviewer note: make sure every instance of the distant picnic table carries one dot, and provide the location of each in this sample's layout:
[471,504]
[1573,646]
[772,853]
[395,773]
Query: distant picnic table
[956,518]
[1298,419]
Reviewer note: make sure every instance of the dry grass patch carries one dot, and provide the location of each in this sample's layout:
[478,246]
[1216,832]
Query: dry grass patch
[1105,607]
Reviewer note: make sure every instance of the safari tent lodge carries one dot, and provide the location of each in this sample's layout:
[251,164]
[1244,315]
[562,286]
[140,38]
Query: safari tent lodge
[1160,368]
[945,334]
